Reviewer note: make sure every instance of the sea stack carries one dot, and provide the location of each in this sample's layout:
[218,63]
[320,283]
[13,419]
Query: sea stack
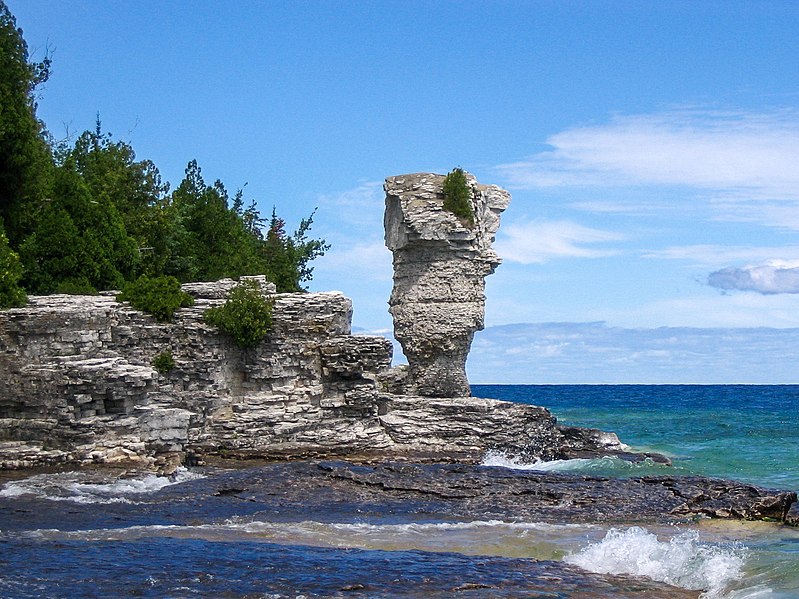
[440,265]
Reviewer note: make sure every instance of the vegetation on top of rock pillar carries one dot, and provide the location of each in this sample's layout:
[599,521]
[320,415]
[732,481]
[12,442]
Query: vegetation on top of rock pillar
[160,296]
[246,315]
[11,294]
[458,196]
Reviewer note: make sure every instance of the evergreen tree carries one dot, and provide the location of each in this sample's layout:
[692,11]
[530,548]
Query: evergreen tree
[212,239]
[287,257]
[11,294]
[113,175]
[80,244]
[25,157]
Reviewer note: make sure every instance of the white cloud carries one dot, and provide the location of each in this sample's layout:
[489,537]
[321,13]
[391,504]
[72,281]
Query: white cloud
[742,165]
[772,277]
[708,149]
[539,241]
[363,261]
[363,205]
[718,255]
[708,310]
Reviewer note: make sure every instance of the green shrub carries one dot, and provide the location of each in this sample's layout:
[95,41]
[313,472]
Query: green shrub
[164,362]
[11,294]
[160,296]
[76,286]
[246,315]
[458,195]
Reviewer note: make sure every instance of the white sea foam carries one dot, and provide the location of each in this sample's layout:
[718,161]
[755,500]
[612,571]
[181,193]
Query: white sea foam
[682,560]
[78,487]
[605,464]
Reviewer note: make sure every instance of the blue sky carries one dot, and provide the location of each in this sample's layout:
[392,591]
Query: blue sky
[651,148]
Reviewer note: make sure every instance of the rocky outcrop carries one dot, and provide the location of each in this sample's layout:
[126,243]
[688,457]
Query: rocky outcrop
[440,263]
[78,383]
[78,386]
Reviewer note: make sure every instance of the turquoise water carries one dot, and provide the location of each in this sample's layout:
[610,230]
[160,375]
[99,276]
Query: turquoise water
[744,432]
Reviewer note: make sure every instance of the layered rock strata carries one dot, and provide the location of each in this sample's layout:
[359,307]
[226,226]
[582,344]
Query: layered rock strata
[78,386]
[440,265]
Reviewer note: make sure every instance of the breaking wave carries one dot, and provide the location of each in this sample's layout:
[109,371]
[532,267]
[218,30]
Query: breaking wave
[608,465]
[681,561]
[80,487]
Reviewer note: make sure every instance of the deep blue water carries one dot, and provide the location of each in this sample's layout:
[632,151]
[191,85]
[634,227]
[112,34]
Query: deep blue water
[745,432]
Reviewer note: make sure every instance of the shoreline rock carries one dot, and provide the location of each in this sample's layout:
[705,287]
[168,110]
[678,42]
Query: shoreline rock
[79,388]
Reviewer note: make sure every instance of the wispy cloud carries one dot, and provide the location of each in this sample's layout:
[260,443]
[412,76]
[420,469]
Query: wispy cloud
[365,261]
[716,255]
[596,353]
[740,164]
[361,205]
[708,149]
[538,241]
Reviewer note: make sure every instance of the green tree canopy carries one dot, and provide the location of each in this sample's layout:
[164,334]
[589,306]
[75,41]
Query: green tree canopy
[11,294]
[79,244]
[90,215]
[25,156]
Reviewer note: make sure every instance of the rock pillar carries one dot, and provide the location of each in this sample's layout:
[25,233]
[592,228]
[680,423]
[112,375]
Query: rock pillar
[440,265]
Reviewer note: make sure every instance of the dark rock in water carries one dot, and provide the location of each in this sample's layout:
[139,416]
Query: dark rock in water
[792,517]
[578,442]
[340,491]
[499,493]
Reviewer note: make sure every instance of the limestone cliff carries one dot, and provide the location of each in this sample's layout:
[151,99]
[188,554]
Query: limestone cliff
[440,265]
[77,386]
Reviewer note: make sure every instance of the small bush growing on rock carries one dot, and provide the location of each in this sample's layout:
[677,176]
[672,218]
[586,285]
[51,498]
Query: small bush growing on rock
[160,296]
[164,362]
[458,195]
[246,315]
[76,286]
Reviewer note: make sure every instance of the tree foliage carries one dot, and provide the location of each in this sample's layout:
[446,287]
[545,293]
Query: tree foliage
[78,242]
[246,315]
[287,257]
[11,294]
[91,215]
[25,157]
[458,196]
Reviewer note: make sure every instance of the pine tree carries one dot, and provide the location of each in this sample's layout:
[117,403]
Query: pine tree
[11,294]
[25,158]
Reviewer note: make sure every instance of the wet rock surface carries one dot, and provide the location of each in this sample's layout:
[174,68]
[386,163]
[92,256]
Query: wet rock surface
[341,491]
[167,537]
